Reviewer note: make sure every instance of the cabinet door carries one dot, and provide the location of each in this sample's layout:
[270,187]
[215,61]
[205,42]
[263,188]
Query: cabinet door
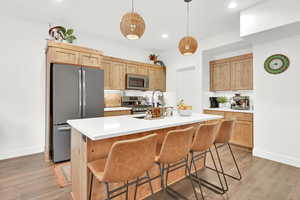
[117,76]
[89,60]
[242,74]
[243,134]
[63,56]
[220,77]
[137,69]
[156,78]
[106,65]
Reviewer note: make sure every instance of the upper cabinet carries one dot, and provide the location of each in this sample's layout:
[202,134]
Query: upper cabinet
[235,73]
[63,53]
[157,78]
[115,69]
[137,69]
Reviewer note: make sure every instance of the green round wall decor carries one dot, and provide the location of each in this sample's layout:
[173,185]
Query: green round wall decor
[277,64]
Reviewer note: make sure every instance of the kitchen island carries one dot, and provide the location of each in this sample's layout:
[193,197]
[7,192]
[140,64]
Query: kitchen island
[91,139]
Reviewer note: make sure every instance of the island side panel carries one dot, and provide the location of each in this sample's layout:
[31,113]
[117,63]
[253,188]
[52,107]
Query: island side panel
[92,150]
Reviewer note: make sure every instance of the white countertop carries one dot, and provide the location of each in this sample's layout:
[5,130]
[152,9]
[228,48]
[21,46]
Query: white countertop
[108,127]
[117,109]
[230,110]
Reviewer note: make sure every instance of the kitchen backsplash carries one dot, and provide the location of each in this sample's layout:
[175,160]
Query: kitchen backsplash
[229,94]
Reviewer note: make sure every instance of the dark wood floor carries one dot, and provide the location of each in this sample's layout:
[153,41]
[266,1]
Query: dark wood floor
[30,178]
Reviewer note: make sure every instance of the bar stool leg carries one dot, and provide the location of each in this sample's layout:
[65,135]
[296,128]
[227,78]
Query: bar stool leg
[150,184]
[189,177]
[196,171]
[91,186]
[214,162]
[126,190]
[107,191]
[161,167]
[136,187]
[222,169]
[236,165]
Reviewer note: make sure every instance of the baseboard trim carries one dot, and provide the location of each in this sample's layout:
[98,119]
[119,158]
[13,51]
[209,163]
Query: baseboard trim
[277,157]
[21,152]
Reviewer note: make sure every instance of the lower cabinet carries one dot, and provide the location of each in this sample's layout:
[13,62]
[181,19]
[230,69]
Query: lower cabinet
[243,131]
[117,113]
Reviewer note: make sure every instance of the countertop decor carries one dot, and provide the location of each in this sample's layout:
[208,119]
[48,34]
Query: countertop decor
[277,64]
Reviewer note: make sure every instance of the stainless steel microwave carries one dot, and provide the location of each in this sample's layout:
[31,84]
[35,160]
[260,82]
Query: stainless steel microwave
[137,82]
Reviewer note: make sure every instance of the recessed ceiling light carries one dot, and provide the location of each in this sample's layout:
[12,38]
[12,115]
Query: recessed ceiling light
[232,5]
[58,1]
[164,35]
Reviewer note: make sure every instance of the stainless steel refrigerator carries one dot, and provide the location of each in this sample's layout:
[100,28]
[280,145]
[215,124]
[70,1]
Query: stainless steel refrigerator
[76,92]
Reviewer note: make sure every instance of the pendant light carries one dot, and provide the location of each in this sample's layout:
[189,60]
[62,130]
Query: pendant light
[132,25]
[188,45]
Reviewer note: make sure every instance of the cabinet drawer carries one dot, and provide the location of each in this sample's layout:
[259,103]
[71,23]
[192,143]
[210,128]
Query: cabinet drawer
[239,116]
[213,112]
[63,56]
[116,113]
[90,60]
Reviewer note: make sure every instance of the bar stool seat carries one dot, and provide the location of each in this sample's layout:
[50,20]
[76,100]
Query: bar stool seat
[127,161]
[172,154]
[97,168]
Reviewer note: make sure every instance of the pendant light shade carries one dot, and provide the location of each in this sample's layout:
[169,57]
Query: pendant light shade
[188,45]
[132,25]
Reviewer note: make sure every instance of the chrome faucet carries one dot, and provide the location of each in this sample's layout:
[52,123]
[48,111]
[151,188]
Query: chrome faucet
[161,96]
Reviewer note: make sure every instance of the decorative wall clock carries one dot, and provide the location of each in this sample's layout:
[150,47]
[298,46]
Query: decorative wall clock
[277,64]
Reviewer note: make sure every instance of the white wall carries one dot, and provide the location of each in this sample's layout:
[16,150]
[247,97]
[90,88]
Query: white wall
[269,15]
[174,61]
[277,105]
[22,61]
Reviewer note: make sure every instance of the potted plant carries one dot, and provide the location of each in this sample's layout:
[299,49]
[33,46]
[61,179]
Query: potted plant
[60,33]
[68,35]
[222,101]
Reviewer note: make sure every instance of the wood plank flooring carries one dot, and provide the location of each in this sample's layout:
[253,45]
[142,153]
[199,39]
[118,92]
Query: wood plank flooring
[30,178]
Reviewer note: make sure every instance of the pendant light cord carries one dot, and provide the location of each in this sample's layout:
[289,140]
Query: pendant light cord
[132,4]
[188,19]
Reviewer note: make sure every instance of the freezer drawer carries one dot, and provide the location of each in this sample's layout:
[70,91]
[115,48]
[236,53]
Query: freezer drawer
[61,143]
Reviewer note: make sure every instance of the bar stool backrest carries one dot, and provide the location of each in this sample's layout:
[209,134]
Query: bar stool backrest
[205,137]
[129,159]
[176,145]
[226,131]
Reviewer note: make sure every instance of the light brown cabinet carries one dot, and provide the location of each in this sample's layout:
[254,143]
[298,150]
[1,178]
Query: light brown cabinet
[63,56]
[117,113]
[157,78]
[220,76]
[235,73]
[137,69]
[91,60]
[116,70]
[115,74]
[243,131]
[242,74]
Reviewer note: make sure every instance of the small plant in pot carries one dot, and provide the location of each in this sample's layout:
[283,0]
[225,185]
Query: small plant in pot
[68,34]
[60,33]
[222,101]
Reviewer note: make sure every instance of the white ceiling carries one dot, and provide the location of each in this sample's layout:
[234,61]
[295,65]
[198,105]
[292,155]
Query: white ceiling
[99,17]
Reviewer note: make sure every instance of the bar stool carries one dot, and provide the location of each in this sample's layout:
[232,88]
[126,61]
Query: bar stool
[127,160]
[225,134]
[202,143]
[174,155]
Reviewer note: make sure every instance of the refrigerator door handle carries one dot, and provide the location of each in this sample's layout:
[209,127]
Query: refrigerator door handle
[84,92]
[80,91]
[64,128]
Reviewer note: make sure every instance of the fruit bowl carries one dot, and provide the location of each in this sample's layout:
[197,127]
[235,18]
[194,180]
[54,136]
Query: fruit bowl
[185,111]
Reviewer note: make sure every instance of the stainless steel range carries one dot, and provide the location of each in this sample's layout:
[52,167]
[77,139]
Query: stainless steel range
[137,103]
